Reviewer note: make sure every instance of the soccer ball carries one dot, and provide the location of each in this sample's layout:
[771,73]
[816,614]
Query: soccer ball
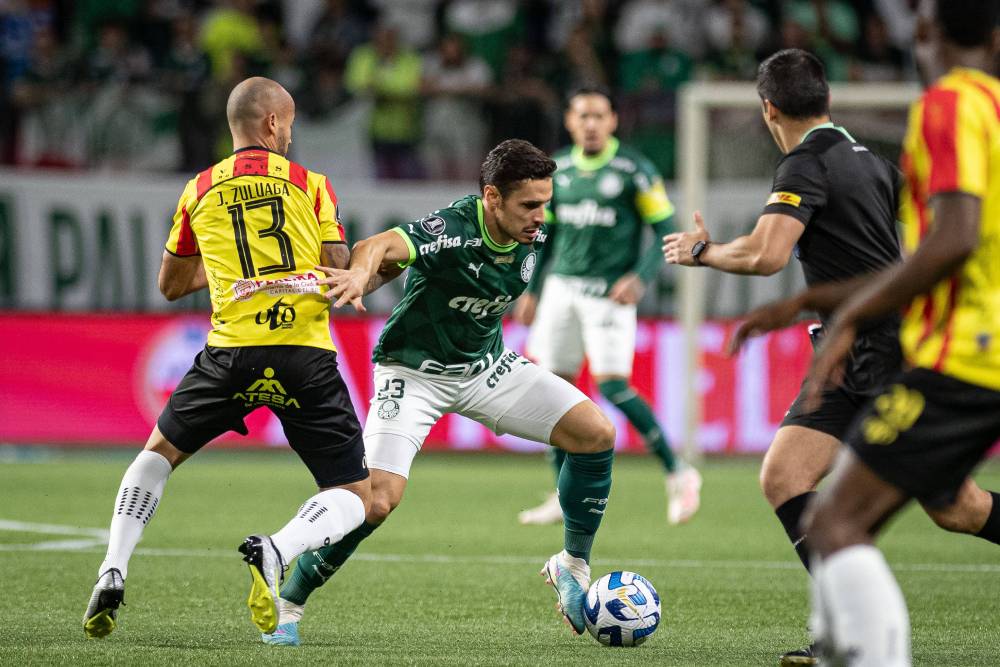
[622,609]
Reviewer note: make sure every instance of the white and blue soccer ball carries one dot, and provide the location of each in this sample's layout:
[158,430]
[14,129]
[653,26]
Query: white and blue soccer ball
[622,609]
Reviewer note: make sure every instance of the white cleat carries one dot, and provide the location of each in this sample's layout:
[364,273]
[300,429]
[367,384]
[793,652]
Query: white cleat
[549,512]
[570,577]
[683,495]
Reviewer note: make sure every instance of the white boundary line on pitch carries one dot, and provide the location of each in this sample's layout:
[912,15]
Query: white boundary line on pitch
[98,538]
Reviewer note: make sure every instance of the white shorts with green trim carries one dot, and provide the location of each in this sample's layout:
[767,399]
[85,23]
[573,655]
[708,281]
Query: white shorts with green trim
[513,395]
[571,322]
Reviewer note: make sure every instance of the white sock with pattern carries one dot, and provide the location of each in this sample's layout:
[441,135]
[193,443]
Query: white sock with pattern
[322,520]
[142,486]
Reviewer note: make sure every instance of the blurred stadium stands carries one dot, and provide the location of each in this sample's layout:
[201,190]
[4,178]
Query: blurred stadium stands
[391,88]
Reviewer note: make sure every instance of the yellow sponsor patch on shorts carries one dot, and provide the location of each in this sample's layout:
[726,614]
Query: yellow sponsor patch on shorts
[784,198]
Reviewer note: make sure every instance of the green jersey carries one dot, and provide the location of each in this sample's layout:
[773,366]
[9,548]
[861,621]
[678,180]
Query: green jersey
[459,284]
[600,207]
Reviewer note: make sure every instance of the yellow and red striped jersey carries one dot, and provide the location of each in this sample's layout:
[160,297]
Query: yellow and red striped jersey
[259,222]
[953,145]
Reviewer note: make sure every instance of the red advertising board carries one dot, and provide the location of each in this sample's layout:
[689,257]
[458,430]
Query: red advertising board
[102,379]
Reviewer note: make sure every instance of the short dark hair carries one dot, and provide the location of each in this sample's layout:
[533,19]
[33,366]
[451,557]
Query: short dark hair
[513,161]
[967,23]
[794,81]
[591,89]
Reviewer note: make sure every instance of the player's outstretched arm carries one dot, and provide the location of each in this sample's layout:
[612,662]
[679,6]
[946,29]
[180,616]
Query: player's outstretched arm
[374,261]
[336,255]
[763,252]
[180,276]
[823,299]
[954,236]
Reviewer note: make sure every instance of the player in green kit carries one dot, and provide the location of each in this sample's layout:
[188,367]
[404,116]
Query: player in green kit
[605,196]
[442,351]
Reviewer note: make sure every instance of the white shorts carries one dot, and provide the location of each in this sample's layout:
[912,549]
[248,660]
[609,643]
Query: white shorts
[512,396]
[571,323]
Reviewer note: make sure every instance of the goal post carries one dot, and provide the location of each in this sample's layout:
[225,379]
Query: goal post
[697,101]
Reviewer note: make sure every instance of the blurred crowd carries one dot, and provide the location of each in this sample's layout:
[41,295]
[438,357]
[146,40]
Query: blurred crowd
[142,84]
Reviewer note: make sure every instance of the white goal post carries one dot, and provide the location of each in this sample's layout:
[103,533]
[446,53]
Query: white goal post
[697,101]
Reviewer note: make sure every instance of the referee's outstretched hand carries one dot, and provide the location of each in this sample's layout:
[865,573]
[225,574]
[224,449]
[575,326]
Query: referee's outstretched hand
[344,286]
[677,246]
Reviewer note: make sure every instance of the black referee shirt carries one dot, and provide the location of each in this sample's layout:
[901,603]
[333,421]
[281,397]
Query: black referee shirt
[847,198]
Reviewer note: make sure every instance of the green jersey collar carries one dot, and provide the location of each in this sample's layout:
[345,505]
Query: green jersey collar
[594,162]
[828,126]
[490,243]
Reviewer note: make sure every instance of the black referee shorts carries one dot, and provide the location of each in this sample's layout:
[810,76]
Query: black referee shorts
[926,432]
[875,359]
[300,385]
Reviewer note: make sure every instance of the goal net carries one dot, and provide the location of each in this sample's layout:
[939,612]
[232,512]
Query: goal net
[725,163]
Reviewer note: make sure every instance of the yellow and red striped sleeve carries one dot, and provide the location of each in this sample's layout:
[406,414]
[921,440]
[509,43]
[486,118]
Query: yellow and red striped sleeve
[181,241]
[954,136]
[326,209]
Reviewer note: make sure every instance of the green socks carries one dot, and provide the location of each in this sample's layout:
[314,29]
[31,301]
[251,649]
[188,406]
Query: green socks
[315,567]
[556,457]
[584,483]
[640,415]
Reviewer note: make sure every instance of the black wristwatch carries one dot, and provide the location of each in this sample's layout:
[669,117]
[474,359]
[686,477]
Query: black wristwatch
[697,249]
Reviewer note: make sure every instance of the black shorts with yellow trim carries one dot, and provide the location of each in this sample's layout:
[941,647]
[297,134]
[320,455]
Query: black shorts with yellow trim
[300,385]
[926,432]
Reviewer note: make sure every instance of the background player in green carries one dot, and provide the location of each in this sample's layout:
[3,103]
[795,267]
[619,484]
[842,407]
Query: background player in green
[442,351]
[605,196]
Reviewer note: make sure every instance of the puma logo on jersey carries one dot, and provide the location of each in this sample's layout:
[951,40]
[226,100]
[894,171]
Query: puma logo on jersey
[475,268]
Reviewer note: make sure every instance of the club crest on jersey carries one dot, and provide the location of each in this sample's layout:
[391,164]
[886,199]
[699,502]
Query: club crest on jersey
[389,409]
[433,224]
[528,267]
[610,185]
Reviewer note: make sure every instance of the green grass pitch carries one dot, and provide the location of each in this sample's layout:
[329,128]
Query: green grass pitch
[451,579]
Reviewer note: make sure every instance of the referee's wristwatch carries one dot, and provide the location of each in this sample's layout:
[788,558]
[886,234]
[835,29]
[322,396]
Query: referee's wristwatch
[696,251]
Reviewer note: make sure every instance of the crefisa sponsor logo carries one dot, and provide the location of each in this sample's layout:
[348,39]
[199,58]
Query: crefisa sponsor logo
[504,366]
[479,307]
[440,243]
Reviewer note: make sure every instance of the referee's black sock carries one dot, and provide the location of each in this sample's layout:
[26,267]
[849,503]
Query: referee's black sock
[991,529]
[790,514]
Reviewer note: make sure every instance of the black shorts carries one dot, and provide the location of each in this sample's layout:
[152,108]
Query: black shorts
[875,359]
[926,432]
[300,385]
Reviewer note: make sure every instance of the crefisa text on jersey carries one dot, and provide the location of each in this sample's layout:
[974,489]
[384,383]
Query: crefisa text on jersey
[252,191]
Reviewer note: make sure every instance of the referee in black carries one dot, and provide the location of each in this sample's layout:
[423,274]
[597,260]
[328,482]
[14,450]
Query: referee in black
[833,203]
